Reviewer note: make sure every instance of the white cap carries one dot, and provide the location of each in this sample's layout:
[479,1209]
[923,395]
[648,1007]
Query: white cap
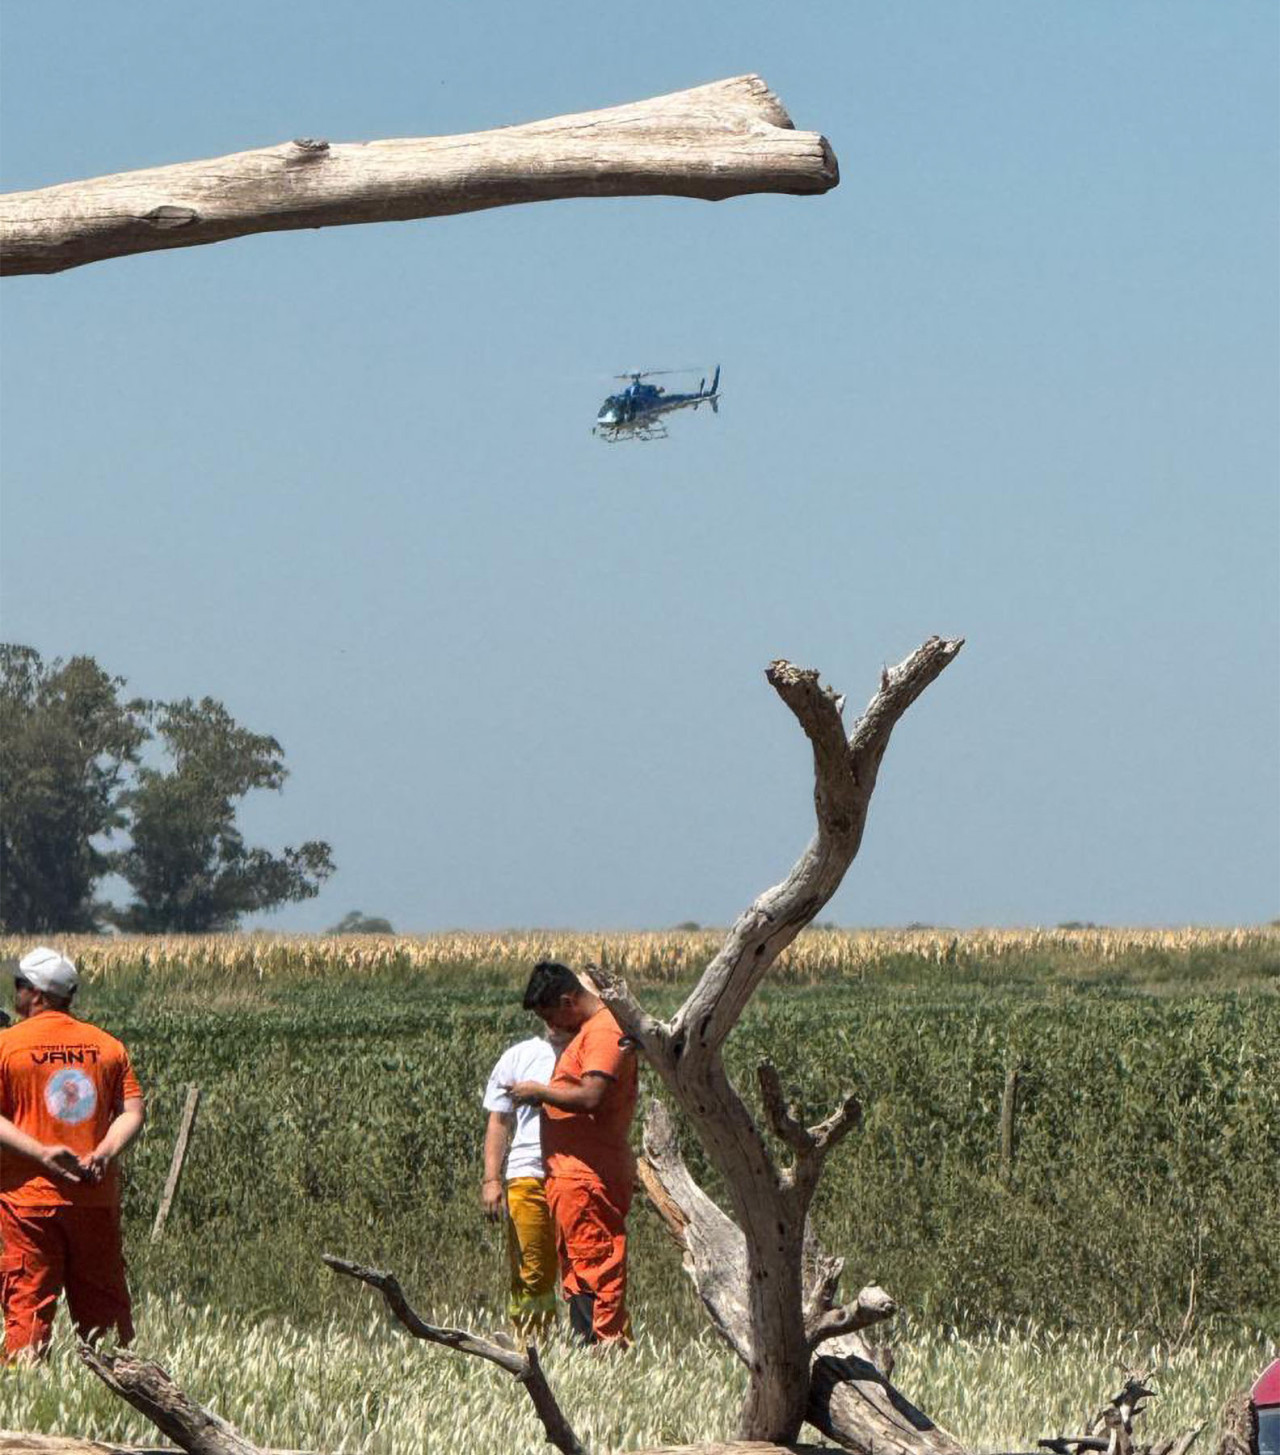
[48,971]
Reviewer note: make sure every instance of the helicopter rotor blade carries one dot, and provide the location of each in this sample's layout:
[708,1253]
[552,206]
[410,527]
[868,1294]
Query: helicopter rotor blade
[651,373]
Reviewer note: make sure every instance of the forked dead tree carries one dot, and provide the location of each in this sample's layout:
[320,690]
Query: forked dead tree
[767,1286]
[720,140]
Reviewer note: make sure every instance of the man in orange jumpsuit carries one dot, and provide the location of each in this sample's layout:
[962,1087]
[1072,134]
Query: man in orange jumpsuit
[69,1105]
[587,1108]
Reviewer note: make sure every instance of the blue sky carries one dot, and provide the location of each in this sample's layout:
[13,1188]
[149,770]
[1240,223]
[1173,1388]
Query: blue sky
[1016,379]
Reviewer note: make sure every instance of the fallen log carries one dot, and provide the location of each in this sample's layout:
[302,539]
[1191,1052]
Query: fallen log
[149,1389]
[14,1442]
[716,141]
[739,1447]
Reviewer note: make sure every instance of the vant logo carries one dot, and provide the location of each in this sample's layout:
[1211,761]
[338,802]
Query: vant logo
[71,1097]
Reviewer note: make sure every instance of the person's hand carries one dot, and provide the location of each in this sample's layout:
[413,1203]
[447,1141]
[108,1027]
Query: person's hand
[94,1166]
[62,1164]
[526,1093]
[493,1198]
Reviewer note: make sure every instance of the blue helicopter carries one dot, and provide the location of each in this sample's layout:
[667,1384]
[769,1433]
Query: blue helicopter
[639,411]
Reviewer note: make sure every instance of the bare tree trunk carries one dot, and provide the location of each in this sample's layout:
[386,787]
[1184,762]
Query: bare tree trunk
[720,140]
[770,1201]
[850,1400]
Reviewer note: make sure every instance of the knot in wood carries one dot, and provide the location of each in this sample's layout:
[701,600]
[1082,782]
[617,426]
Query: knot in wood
[168,217]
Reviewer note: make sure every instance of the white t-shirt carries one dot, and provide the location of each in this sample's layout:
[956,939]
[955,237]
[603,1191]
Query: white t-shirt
[531,1060]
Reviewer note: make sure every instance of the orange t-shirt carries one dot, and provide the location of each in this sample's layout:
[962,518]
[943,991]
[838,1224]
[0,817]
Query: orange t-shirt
[63,1082]
[585,1146]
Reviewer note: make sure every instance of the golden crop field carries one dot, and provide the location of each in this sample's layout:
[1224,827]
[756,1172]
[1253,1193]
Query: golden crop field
[658,956]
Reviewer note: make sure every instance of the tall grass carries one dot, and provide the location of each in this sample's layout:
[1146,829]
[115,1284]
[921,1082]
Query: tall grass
[367,1387]
[341,1083]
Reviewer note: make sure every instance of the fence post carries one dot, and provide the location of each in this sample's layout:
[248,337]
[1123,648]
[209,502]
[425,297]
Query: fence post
[179,1157]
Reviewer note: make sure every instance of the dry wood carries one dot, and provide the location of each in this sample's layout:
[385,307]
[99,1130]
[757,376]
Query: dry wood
[1111,1429]
[849,1399]
[739,1447]
[1238,1434]
[179,1158]
[716,141]
[149,1389]
[13,1442]
[523,1366]
[770,1203]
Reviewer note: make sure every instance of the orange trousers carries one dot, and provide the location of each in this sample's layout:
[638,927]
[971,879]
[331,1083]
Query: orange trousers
[45,1251]
[591,1241]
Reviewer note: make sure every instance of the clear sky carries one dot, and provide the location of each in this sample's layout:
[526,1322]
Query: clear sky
[1016,379]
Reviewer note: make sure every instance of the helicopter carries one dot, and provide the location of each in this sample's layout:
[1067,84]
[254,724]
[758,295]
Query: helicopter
[638,411]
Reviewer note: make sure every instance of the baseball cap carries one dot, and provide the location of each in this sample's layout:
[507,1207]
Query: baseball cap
[48,971]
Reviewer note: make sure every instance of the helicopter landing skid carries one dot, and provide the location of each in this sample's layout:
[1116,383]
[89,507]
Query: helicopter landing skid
[654,431]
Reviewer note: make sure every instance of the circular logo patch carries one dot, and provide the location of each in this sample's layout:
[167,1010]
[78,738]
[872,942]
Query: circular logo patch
[71,1097]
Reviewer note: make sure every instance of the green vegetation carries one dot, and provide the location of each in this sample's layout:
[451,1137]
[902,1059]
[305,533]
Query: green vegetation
[341,1085]
[342,1114]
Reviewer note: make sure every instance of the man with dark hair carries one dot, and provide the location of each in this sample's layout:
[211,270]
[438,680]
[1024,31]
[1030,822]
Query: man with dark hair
[69,1106]
[587,1108]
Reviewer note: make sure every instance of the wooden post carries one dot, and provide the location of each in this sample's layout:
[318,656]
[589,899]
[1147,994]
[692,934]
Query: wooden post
[179,1157]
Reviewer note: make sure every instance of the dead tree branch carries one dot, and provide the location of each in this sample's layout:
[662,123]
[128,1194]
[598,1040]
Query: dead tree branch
[872,1306]
[716,141]
[149,1389]
[1111,1429]
[771,1204]
[850,1400]
[522,1366]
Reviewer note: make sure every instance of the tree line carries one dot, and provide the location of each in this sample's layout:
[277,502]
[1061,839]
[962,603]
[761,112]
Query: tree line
[94,784]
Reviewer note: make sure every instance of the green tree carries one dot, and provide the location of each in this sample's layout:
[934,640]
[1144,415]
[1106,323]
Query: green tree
[359,923]
[188,865]
[66,742]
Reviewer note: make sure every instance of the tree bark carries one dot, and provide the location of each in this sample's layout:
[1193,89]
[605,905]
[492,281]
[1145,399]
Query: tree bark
[149,1389]
[771,1202]
[14,1442]
[716,141]
[848,1399]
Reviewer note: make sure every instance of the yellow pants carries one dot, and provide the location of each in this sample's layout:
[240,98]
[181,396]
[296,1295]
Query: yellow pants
[531,1255]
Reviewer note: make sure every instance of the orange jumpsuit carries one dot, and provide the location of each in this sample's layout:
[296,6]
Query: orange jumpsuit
[62,1081]
[590,1176]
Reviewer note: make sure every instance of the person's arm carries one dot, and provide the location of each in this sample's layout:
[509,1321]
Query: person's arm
[497,1139]
[58,1162]
[585,1097]
[117,1137]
